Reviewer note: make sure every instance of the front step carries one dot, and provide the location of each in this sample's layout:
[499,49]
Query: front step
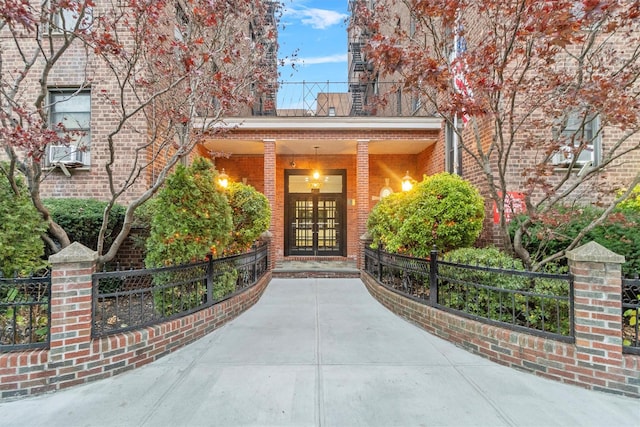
[315,268]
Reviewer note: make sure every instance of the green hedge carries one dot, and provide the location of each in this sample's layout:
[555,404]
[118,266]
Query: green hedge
[82,219]
[553,232]
[466,290]
[251,216]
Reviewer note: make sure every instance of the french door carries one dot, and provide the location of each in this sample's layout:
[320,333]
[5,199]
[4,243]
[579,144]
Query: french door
[315,221]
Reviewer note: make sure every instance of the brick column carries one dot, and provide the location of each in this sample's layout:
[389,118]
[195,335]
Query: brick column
[270,193]
[71,298]
[362,183]
[597,315]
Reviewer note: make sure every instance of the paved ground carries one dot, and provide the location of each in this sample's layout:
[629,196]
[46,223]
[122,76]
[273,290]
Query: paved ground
[322,352]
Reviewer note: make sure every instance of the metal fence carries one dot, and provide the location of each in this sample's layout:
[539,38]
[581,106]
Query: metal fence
[25,312]
[348,99]
[533,302]
[126,300]
[631,315]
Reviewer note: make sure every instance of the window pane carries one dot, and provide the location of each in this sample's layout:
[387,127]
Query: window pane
[580,130]
[72,109]
[66,19]
[302,184]
[70,101]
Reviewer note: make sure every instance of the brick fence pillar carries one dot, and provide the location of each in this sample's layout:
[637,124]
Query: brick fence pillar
[362,184]
[598,315]
[270,193]
[71,271]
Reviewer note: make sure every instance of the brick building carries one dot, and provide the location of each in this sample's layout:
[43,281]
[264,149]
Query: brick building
[362,147]
[522,101]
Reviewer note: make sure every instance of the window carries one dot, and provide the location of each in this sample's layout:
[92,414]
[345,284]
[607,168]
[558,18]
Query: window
[71,111]
[332,111]
[451,140]
[579,130]
[66,19]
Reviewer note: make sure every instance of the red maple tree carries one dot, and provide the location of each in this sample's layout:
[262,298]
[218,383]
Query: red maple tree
[161,73]
[548,91]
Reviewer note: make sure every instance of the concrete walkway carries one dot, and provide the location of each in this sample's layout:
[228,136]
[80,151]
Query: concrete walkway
[322,352]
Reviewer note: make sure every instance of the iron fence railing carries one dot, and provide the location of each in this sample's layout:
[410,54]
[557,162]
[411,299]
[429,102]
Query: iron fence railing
[126,300]
[535,302]
[25,312]
[347,99]
[631,315]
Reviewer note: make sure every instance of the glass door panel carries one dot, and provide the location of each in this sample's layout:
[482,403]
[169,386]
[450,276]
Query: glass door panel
[315,217]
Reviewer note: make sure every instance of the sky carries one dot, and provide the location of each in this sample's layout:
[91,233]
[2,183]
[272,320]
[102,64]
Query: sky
[314,33]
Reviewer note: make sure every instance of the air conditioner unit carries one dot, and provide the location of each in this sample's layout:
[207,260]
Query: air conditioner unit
[561,158]
[64,154]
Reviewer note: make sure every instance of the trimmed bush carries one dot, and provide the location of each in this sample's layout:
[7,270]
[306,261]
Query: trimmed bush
[251,216]
[384,222]
[443,210]
[192,219]
[82,219]
[21,225]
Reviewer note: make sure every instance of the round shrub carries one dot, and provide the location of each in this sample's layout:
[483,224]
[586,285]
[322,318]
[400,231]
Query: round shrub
[443,210]
[21,225]
[251,216]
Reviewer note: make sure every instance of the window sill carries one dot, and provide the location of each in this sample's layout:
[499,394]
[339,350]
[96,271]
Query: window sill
[68,168]
[578,169]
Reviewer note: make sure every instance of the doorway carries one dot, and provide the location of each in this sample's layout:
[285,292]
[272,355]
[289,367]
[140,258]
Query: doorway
[315,215]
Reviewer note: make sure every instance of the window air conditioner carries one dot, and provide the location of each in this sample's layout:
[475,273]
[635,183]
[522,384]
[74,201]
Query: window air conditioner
[562,157]
[64,154]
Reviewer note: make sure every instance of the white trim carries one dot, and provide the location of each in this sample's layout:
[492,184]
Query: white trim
[332,123]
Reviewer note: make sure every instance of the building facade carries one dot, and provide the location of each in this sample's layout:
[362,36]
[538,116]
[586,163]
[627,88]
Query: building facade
[363,136]
[537,111]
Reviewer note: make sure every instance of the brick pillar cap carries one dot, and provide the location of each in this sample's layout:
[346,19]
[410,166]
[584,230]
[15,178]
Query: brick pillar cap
[75,252]
[366,237]
[266,236]
[594,252]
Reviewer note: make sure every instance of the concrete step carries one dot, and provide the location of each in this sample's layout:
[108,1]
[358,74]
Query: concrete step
[316,268]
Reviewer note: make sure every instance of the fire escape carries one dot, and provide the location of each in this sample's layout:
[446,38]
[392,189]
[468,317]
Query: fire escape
[362,81]
[266,94]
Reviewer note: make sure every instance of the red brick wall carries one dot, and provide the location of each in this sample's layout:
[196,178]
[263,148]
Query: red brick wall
[596,359]
[392,166]
[75,357]
[249,167]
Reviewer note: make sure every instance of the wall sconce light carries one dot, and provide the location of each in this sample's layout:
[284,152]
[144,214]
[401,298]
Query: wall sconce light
[223,179]
[407,182]
[386,190]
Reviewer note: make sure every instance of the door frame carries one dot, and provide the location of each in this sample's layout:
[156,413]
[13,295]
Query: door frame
[342,210]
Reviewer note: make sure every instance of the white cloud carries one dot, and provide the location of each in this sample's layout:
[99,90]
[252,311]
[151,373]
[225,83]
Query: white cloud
[318,19]
[329,59]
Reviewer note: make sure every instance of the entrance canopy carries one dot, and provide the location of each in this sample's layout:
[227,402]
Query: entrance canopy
[302,135]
